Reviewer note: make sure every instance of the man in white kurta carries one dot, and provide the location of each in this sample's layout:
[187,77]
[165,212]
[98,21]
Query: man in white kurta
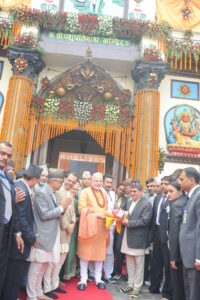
[46,216]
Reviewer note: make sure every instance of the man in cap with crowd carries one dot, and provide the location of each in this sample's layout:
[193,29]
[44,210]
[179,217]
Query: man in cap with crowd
[86,179]
[43,178]
[47,249]
[17,264]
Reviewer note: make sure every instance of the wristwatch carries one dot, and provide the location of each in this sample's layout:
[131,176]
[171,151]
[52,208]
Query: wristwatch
[18,233]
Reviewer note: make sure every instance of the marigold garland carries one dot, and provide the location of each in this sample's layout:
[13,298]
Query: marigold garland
[131,29]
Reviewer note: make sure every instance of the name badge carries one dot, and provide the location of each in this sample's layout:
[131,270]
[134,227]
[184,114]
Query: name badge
[184,216]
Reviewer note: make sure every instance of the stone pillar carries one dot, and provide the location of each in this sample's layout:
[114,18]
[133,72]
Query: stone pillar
[26,65]
[147,76]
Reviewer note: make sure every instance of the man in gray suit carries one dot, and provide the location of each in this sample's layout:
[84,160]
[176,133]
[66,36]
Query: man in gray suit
[46,215]
[136,238]
[190,233]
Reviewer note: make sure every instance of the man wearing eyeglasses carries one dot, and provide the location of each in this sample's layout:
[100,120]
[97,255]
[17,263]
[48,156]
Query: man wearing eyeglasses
[46,214]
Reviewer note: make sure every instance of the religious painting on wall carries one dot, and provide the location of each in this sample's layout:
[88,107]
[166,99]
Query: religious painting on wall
[182,128]
[78,162]
[185,90]
[98,7]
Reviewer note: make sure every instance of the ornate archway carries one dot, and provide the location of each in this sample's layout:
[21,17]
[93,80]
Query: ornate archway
[86,97]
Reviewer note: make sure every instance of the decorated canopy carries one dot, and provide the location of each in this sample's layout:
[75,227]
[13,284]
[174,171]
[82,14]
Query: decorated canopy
[84,93]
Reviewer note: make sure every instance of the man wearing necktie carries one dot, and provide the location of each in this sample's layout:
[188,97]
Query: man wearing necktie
[189,236]
[159,237]
[8,221]
[17,264]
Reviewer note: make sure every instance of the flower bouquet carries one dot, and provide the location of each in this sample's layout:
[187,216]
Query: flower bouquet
[115,216]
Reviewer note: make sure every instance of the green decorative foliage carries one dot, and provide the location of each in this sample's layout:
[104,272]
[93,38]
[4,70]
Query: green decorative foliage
[161,159]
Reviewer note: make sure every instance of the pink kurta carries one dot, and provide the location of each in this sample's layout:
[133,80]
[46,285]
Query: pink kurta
[94,248]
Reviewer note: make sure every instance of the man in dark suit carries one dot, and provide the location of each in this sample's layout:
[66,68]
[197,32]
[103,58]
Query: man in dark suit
[190,233]
[159,237]
[17,261]
[8,221]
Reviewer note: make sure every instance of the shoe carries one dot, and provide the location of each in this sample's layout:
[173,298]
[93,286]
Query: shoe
[110,280]
[165,299]
[117,276]
[101,285]
[59,290]
[135,294]
[126,289]
[152,291]
[147,283]
[81,286]
[91,278]
[51,295]
[43,297]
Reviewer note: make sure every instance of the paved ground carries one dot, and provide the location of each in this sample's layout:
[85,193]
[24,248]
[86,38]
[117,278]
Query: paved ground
[117,295]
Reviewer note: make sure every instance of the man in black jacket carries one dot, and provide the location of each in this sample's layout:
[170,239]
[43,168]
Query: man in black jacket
[17,261]
[8,221]
[159,237]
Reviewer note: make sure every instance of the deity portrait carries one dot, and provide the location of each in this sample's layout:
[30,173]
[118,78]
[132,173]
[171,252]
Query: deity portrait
[182,125]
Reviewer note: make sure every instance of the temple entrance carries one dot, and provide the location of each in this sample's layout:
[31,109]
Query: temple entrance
[77,150]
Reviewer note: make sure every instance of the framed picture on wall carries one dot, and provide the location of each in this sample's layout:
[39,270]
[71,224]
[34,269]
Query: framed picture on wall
[1,67]
[185,89]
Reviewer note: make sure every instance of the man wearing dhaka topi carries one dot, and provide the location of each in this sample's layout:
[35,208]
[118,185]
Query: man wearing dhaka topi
[92,231]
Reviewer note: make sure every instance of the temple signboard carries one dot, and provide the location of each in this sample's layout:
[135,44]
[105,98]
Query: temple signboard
[79,162]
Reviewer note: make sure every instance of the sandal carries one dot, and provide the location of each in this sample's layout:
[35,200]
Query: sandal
[135,294]
[126,289]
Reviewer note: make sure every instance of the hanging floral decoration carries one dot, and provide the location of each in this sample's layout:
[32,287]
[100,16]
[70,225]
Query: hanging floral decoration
[112,113]
[51,106]
[82,110]
[94,25]
[84,93]
[152,54]
[5,25]
[161,159]
[131,29]
[87,23]
[27,41]
[20,64]
[8,30]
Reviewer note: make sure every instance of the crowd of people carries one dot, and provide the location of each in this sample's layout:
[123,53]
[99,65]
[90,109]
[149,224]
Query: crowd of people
[53,227]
